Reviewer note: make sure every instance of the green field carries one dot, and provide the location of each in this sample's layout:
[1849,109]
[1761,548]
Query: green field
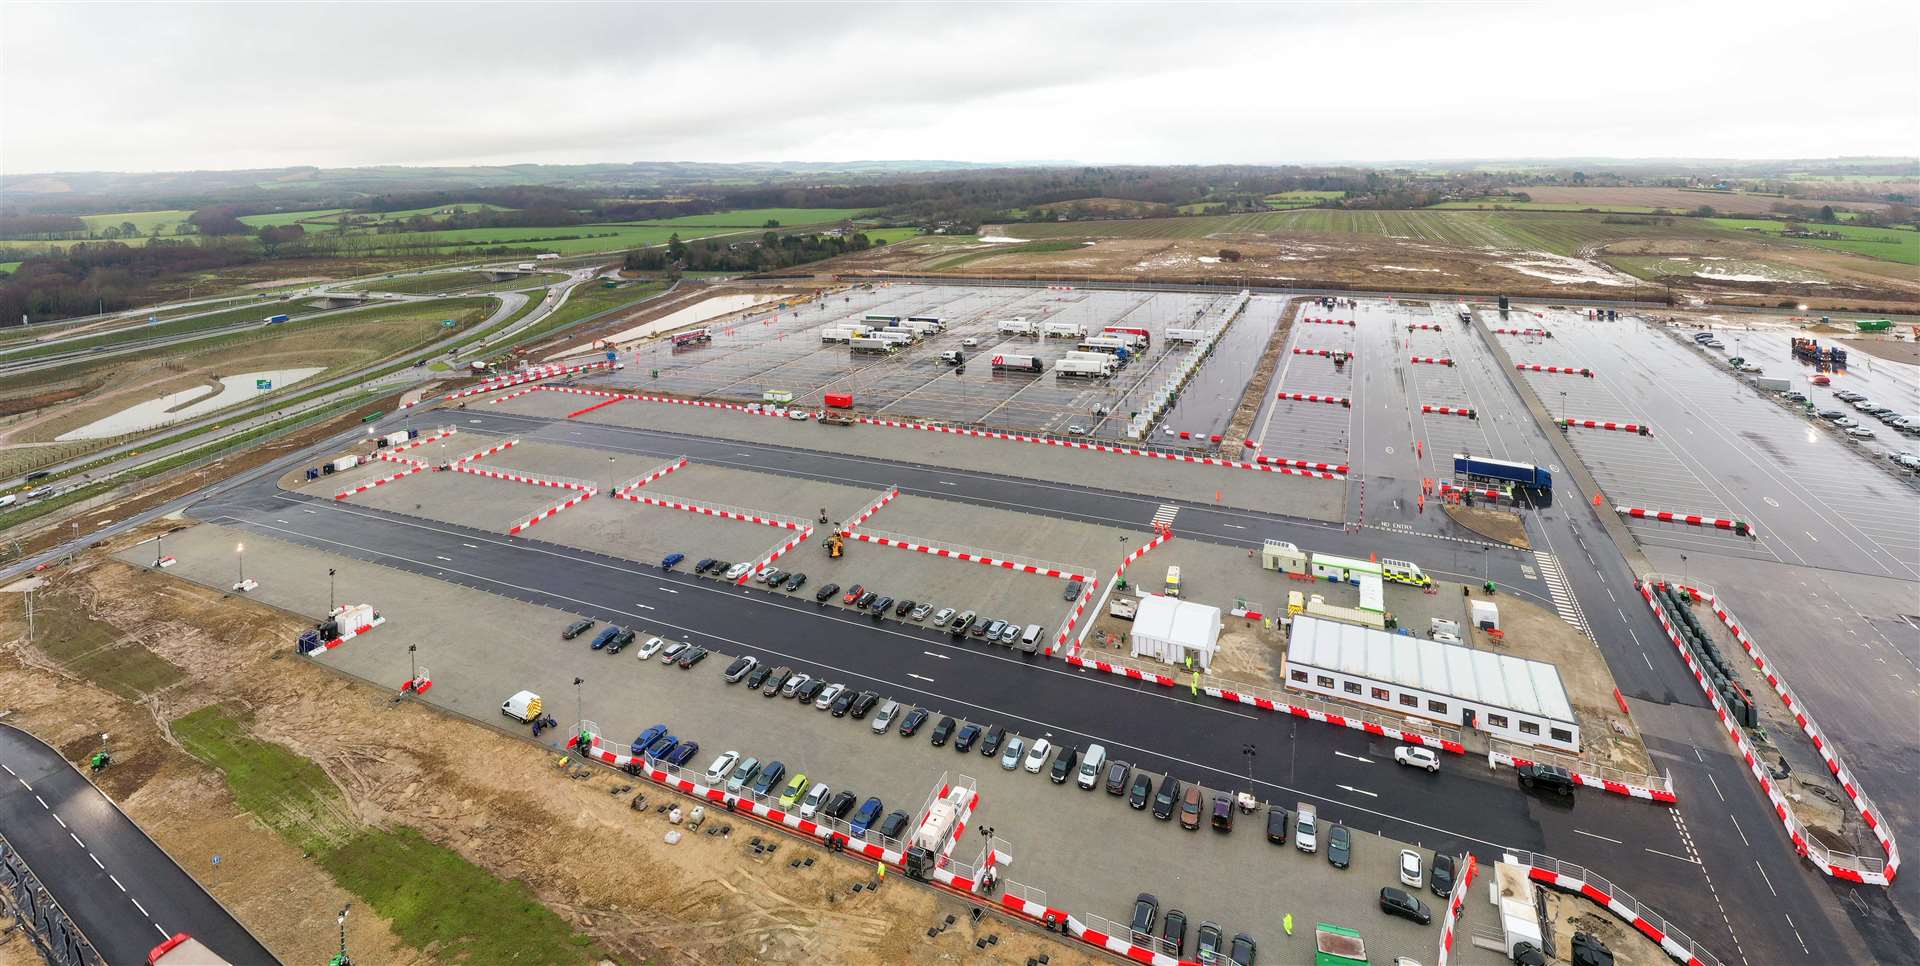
[213,320]
[758,217]
[433,212]
[146,221]
[1051,245]
[8,268]
[1301,199]
[1559,233]
[878,235]
[1489,204]
[586,302]
[435,900]
[288,217]
[1891,244]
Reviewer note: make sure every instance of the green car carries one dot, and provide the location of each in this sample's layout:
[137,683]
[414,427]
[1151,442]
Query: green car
[795,790]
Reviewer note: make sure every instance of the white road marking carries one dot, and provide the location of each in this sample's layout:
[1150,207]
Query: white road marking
[1737,828]
[42,801]
[283,521]
[143,909]
[1359,758]
[9,770]
[76,840]
[1670,855]
[1236,526]
[1643,657]
[116,882]
[942,657]
[57,818]
[469,546]
[447,559]
[305,510]
[945,483]
[1763,878]
[96,862]
[1716,791]
[1358,791]
[163,932]
[920,677]
[1600,837]
[644,606]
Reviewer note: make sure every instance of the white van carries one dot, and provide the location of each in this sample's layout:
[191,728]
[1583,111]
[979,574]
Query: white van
[1090,765]
[1030,641]
[524,706]
[8,500]
[1440,625]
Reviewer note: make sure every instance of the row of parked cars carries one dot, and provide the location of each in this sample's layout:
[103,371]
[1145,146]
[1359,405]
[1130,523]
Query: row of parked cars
[1866,407]
[956,623]
[613,639]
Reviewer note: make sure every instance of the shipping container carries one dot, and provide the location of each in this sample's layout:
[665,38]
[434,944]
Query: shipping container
[1481,468]
[345,463]
[841,333]
[777,396]
[882,319]
[1136,337]
[396,437]
[840,400]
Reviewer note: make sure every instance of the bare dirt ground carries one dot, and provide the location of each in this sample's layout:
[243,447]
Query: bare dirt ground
[586,854]
[1570,915]
[1607,735]
[589,337]
[1499,525]
[1678,199]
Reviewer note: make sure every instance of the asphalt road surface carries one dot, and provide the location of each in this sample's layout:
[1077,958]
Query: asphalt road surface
[121,889]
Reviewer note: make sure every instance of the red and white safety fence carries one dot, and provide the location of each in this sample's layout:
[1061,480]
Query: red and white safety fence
[1292,705]
[417,442]
[975,556]
[1318,352]
[1097,447]
[892,493]
[1850,868]
[1165,534]
[516,476]
[1690,519]
[383,481]
[643,479]
[1568,877]
[1599,424]
[1652,788]
[420,683]
[806,533]
[348,632]
[1073,616]
[521,378]
[1318,321]
[1431,360]
[1422,327]
[1280,461]
[726,513]
[1447,489]
[1448,411]
[570,502]
[1539,332]
[1562,370]
[483,454]
[1314,398]
[516,394]
[1829,753]
[1456,899]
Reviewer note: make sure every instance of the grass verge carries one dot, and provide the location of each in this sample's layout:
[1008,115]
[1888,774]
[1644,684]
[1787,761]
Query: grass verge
[437,901]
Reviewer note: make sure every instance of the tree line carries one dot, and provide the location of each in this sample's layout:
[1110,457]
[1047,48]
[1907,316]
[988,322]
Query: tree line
[772,251]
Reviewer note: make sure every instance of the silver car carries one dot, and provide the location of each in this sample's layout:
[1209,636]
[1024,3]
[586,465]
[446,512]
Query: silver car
[793,684]
[883,716]
[1010,756]
[738,570]
[920,613]
[941,619]
[827,695]
[743,774]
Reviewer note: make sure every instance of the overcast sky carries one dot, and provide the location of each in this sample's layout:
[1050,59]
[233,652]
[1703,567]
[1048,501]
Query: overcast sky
[156,86]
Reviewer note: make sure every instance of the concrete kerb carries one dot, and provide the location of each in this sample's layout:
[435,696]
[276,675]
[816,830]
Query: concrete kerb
[1829,752]
[1803,843]
[1574,879]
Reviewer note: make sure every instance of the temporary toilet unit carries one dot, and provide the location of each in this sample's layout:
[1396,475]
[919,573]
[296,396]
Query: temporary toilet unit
[1486,615]
[1171,629]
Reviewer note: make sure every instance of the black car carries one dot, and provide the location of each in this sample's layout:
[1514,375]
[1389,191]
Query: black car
[758,678]
[575,629]
[1073,590]
[770,777]
[600,640]
[894,825]
[1117,774]
[1063,765]
[912,722]
[863,703]
[1241,952]
[1206,945]
[981,625]
[879,607]
[1276,825]
[1339,846]
[842,703]
[1549,778]
[840,804]
[705,564]
[865,600]
[1440,875]
[682,753]
[692,657]
[825,594]
[1173,932]
[1142,790]
[1146,912]
[969,733]
[779,577]
[1166,798]
[795,582]
[1395,902]
[991,746]
[942,730]
[810,690]
[904,608]
[619,642]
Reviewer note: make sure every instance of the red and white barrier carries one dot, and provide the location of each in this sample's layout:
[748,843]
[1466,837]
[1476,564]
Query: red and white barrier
[1432,360]
[421,683]
[1664,795]
[806,532]
[483,454]
[1563,370]
[417,442]
[513,477]
[1422,327]
[1690,519]
[704,510]
[165,562]
[1448,411]
[383,481]
[1478,491]
[1316,321]
[1096,447]
[1301,464]
[1627,913]
[964,555]
[1828,753]
[1455,901]
[601,404]
[1073,617]
[1616,427]
[1314,352]
[1311,397]
[519,379]
[349,632]
[572,501]
[671,466]
[1538,332]
[893,493]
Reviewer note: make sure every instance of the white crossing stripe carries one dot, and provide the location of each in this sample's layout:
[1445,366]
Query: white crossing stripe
[1564,603]
[1164,518]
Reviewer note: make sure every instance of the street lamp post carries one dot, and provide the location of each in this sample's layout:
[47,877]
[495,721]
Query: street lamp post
[578,714]
[333,603]
[159,549]
[412,666]
[1249,751]
[240,555]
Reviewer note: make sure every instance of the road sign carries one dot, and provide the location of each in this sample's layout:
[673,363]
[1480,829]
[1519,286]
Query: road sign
[263,384]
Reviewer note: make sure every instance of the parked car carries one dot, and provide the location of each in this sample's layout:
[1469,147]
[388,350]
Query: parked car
[825,593]
[964,739]
[650,648]
[942,731]
[601,639]
[828,695]
[662,745]
[1440,875]
[777,579]
[806,693]
[844,703]
[879,606]
[1009,634]
[620,642]
[770,777]
[1394,902]
[1074,588]
[1010,759]
[757,678]
[868,814]
[672,652]
[816,797]
[722,767]
[1276,825]
[777,680]
[996,735]
[840,804]
[646,738]
[1190,805]
[866,600]
[920,613]
[942,616]
[1173,932]
[1146,912]
[1223,813]
[1118,774]
[672,560]
[991,631]
[883,717]
[863,703]
[1832,414]
[894,826]
[853,593]
[692,657]
[911,722]
[794,684]
[1414,756]
[960,624]
[1140,791]
[1037,756]
[796,787]
[1859,432]
[740,668]
[1552,778]
[1339,846]
[1207,942]
[796,582]
[682,753]
[1409,866]
[738,571]
[1063,765]
[1241,953]
[1167,798]
[576,629]
[705,564]
[904,608]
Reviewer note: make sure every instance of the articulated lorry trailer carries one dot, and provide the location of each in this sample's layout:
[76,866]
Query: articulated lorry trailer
[1503,471]
[1012,362]
[1088,368]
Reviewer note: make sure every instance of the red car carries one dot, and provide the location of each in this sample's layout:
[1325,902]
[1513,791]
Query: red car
[853,593]
[1822,381]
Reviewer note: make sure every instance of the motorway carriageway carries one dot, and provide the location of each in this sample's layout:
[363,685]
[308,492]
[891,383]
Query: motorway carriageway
[1637,844]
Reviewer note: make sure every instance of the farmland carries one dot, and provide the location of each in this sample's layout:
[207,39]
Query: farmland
[1890,244]
[1673,199]
[1301,199]
[144,221]
[758,217]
